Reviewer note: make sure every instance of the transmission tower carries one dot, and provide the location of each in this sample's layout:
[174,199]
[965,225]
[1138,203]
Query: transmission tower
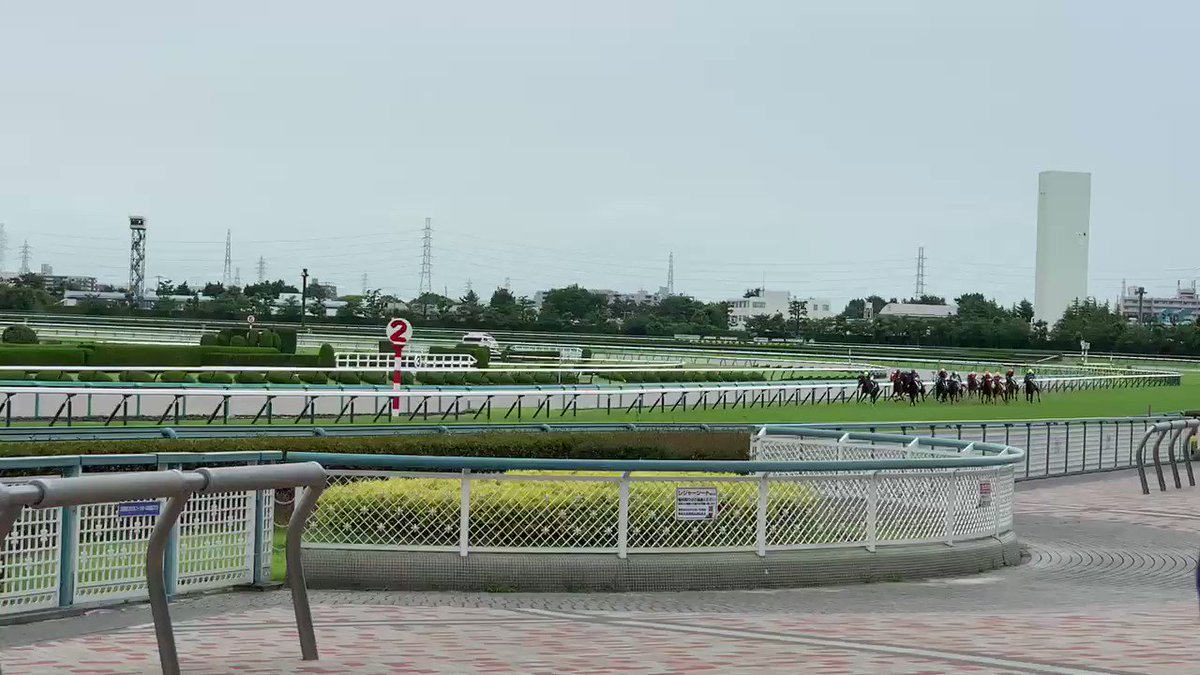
[237,277]
[920,272]
[262,269]
[3,245]
[364,283]
[137,259]
[671,273]
[25,255]
[226,275]
[426,285]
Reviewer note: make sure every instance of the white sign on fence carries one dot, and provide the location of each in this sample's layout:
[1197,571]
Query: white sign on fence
[985,495]
[696,503]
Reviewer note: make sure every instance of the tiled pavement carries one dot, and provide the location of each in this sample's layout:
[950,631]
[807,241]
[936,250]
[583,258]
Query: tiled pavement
[1107,590]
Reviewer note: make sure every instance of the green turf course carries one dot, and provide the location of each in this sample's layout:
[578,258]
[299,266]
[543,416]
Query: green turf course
[1092,403]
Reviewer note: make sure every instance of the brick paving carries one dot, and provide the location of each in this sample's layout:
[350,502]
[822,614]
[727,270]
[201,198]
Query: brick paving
[1107,589]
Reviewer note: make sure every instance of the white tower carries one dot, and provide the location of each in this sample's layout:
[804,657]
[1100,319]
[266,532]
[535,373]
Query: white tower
[1064,212]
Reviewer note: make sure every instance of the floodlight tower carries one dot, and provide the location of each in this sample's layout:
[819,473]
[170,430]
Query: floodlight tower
[137,259]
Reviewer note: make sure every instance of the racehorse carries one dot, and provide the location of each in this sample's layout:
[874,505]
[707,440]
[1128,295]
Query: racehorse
[988,389]
[913,388]
[954,390]
[1010,388]
[972,385]
[868,388]
[1032,388]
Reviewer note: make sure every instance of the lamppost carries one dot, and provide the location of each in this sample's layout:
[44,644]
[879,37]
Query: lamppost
[303,295]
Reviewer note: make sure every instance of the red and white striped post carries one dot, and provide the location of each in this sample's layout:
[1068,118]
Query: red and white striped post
[398,331]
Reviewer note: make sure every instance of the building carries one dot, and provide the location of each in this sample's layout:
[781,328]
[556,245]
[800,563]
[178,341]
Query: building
[766,303]
[72,297]
[1181,308]
[817,308]
[61,283]
[1064,215]
[639,297]
[904,309]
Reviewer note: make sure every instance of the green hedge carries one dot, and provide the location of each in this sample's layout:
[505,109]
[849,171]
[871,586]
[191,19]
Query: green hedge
[326,357]
[409,509]
[135,376]
[93,376]
[52,376]
[181,356]
[260,359]
[287,340]
[19,333]
[280,377]
[215,378]
[310,377]
[345,377]
[42,356]
[378,378]
[698,445]
[13,375]
[176,376]
[250,378]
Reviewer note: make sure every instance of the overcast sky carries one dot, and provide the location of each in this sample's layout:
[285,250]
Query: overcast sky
[816,144]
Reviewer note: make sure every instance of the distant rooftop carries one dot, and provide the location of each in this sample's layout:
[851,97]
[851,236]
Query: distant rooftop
[918,311]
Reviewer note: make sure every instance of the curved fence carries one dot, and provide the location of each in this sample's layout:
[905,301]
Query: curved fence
[845,490]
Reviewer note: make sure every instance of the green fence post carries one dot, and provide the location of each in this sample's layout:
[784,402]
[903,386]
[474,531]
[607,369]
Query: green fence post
[68,535]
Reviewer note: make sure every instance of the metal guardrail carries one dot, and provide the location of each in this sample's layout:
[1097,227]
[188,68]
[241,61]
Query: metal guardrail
[177,487]
[111,404]
[1176,429]
[844,489]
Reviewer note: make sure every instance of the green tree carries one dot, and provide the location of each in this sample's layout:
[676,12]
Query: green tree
[767,325]
[502,299]
[1024,310]
[469,309]
[575,305]
[797,313]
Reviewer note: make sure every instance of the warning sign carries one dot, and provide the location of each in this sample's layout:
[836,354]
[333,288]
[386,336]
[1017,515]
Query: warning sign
[693,503]
[985,495]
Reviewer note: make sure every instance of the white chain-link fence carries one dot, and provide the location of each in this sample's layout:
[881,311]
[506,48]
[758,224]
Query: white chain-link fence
[646,512]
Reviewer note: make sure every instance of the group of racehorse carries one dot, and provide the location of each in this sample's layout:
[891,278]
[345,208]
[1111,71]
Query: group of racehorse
[950,388]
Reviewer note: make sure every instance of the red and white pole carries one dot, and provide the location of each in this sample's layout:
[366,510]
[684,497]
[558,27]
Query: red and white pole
[397,380]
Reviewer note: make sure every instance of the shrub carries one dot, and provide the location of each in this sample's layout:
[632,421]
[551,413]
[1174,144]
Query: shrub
[287,340]
[523,378]
[135,376]
[326,357]
[223,339]
[431,378]
[93,376]
[483,355]
[277,342]
[259,358]
[237,341]
[251,338]
[632,377]
[379,378]
[19,333]
[216,378]
[475,379]
[570,378]
[179,356]
[409,510]
[176,376]
[697,445]
[544,378]
[13,375]
[209,340]
[52,376]
[247,377]
[280,377]
[42,356]
[502,378]
[313,377]
[455,379]
[345,377]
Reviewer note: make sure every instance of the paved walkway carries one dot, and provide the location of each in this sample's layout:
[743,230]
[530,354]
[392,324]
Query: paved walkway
[1107,589]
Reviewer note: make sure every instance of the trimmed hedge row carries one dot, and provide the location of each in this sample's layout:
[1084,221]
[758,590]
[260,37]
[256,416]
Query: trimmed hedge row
[122,355]
[694,445]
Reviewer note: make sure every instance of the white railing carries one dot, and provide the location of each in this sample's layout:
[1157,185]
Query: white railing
[382,361]
[564,352]
[626,513]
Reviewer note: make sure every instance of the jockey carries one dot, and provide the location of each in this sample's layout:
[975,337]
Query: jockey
[987,377]
[1029,375]
[1011,372]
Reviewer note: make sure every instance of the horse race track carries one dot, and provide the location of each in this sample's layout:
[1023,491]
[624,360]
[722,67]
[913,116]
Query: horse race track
[1093,403]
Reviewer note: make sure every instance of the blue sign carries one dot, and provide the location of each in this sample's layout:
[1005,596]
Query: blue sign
[135,509]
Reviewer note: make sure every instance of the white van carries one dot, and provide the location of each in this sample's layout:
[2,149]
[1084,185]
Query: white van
[482,340]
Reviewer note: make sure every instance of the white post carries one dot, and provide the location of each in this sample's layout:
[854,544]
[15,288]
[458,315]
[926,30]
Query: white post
[464,513]
[872,510]
[995,502]
[623,516]
[951,504]
[761,519]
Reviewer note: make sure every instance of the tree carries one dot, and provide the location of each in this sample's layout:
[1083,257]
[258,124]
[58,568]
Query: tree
[797,312]
[575,305]
[976,306]
[290,310]
[1024,310]
[212,290]
[269,289]
[753,293]
[502,299]
[855,309]
[469,309]
[767,325]
[927,300]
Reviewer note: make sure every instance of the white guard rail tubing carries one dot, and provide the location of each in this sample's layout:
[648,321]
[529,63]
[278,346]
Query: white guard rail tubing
[1176,429]
[177,487]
